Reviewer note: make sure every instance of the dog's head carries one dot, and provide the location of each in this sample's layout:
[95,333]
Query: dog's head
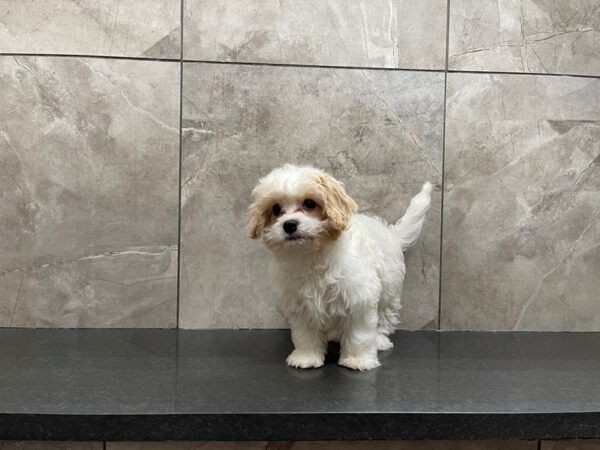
[298,208]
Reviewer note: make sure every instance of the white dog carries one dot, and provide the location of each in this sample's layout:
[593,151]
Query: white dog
[338,275]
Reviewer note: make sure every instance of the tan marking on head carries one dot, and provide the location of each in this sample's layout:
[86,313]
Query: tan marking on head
[314,193]
[260,213]
[256,220]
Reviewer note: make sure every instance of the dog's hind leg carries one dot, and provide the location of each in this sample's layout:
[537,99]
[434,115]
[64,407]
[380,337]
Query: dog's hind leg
[388,319]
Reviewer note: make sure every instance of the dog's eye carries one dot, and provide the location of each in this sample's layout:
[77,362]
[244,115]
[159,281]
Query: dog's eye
[276,209]
[309,204]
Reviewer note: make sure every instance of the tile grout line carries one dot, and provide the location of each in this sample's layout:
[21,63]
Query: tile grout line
[439,315]
[308,66]
[311,66]
[391,69]
[179,164]
[534,74]
[69,55]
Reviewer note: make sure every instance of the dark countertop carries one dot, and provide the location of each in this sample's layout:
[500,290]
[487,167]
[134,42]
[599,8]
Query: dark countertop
[234,385]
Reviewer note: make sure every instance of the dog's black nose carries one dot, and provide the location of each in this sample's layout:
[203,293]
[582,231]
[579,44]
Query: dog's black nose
[290,226]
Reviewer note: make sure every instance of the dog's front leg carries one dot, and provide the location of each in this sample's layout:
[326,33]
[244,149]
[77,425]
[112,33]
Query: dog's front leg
[359,340]
[309,346]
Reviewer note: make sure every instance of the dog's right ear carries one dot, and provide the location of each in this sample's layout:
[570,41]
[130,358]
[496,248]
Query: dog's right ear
[256,220]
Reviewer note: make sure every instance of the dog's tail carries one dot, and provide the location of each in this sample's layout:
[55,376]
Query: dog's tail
[409,226]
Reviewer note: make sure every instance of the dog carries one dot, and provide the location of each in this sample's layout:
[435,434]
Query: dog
[338,275]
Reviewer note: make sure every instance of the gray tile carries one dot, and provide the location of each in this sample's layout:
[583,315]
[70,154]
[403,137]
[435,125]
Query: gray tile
[94,27]
[581,444]
[88,181]
[380,132]
[521,243]
[543,36]
[49,445]
[382,33]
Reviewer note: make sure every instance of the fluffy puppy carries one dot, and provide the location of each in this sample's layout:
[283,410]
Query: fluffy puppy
[338,275]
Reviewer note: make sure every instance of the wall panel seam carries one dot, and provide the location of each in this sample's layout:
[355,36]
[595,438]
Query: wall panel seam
[439,312]
[178,295]
[316,66]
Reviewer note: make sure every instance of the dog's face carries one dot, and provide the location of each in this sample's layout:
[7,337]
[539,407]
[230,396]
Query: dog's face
[298,208]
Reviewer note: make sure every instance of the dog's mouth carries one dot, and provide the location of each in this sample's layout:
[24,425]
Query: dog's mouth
[294,238]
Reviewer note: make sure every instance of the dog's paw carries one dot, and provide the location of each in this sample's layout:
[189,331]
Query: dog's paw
[359,363]
[383,342]
[304,360]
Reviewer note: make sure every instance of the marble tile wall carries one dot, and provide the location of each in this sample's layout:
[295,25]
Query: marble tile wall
[100,100]
[379,131]
[364,33]
[537,36]
[144,28]
[88,175]
[522,203]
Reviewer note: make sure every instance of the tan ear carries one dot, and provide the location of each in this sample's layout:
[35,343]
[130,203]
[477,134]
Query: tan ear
[338,205]
[256,220]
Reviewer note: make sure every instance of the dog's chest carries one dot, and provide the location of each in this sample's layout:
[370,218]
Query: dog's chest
[319,296]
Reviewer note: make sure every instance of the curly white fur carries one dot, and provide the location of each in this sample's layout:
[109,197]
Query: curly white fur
[338,275]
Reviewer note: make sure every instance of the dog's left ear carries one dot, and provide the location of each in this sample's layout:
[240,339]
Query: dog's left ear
[338,205]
